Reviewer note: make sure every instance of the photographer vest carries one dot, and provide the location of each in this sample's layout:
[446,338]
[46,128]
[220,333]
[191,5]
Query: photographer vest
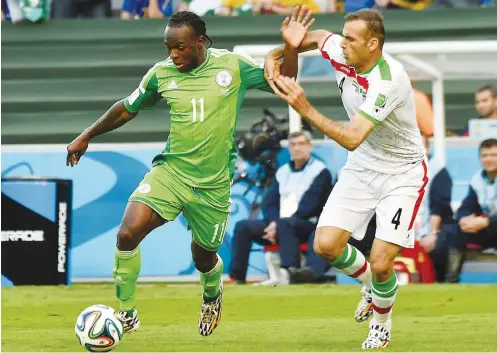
[293,184]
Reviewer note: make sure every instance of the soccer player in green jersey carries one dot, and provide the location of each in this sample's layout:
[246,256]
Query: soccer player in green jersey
[204,89]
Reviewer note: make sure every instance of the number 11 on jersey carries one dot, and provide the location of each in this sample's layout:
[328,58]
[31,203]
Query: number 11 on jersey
[194,109]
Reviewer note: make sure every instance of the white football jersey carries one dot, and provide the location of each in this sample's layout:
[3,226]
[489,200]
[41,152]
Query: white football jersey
[384,96]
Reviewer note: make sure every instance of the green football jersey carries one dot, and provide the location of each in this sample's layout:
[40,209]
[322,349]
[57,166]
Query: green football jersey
[204,106]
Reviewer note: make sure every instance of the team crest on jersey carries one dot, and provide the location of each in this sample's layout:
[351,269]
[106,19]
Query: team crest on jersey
[224,78]
[380,100]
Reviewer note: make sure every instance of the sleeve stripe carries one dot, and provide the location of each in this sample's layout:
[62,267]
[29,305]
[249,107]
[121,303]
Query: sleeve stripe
[369,117]
[322,46]
[127,106]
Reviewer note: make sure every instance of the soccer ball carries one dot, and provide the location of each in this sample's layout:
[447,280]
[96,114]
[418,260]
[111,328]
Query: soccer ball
[97,329]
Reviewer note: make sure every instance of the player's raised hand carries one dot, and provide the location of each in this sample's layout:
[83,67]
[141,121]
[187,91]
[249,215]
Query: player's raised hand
[76,149]
[292,93]
[294,28]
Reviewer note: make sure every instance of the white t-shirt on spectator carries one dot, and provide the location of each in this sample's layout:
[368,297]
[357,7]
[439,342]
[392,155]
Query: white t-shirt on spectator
[200,7]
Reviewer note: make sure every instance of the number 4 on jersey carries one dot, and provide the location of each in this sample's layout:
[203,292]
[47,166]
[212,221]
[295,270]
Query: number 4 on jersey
[340,86]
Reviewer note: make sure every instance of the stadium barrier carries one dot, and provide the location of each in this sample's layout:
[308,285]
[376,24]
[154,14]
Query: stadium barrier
[36,231]
[107,175]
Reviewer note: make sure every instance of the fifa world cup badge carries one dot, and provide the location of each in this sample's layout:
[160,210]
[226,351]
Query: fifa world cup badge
[381,100]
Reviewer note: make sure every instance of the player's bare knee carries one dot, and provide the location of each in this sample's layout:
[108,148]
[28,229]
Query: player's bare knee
[327,248]
[204,263]
[127,239]
[203,259]
[381,266]
[316,247]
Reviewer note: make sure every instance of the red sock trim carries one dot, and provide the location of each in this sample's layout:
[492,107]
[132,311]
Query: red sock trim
[382,310]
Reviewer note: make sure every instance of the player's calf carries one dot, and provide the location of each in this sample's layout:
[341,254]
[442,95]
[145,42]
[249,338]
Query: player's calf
[384,292]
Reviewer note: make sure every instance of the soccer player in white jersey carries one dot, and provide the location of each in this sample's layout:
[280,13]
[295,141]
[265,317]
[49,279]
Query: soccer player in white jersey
[385,171]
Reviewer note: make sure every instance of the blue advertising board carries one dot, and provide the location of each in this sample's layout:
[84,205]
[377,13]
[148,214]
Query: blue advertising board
[108,173]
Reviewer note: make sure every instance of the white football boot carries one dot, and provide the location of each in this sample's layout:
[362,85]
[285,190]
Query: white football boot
[365,308]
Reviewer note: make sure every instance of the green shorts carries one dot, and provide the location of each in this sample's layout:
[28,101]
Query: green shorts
[206,210]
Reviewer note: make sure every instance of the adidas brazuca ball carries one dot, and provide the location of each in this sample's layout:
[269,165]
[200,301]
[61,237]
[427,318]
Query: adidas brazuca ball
[97,329]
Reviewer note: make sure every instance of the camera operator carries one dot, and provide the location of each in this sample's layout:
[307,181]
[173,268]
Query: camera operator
[290,207]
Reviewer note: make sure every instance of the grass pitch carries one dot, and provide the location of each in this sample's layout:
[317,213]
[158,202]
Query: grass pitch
[444,318]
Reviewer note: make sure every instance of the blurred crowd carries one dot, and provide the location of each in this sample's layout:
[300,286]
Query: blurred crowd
[37,10]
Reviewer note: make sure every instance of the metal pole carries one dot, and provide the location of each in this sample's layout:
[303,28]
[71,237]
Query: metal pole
[295,121]
[439,114]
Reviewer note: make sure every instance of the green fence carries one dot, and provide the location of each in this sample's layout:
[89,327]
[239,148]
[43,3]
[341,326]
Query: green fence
[58,77]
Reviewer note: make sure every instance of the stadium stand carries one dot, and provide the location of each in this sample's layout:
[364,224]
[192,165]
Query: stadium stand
[59,78]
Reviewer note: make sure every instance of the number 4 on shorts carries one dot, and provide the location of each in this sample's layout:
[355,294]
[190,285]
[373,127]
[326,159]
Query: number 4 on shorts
[396,218]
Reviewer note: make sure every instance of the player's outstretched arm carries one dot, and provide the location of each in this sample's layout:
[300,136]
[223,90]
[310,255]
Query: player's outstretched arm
[314,40]
[113,118]
[349,136]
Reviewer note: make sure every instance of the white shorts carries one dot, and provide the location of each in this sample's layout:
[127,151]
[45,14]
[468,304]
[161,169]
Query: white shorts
[361,192]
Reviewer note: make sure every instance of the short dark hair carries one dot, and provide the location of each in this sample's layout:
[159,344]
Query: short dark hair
[490,88]
[488,143]
[304,133]
[374,22]
[188,18]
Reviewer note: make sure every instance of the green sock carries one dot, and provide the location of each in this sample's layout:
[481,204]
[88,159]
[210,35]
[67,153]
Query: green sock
[211,281]
[127,266]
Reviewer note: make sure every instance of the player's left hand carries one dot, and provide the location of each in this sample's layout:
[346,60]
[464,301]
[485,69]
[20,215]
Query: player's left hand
[292,93]
[294,28]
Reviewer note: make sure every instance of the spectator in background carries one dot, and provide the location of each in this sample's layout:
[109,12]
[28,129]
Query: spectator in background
[5,10]
[290,207]
[424,114]
[327,5]
[459,3]
[204,7]
[235,7]
[437,214]
[477,216]
[485,104]
[264,7]
[404,4]
[356,5]
[67,9]
[282,7]
[136,9]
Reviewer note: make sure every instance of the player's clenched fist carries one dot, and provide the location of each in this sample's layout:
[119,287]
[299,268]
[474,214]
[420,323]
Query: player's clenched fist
[292,93]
